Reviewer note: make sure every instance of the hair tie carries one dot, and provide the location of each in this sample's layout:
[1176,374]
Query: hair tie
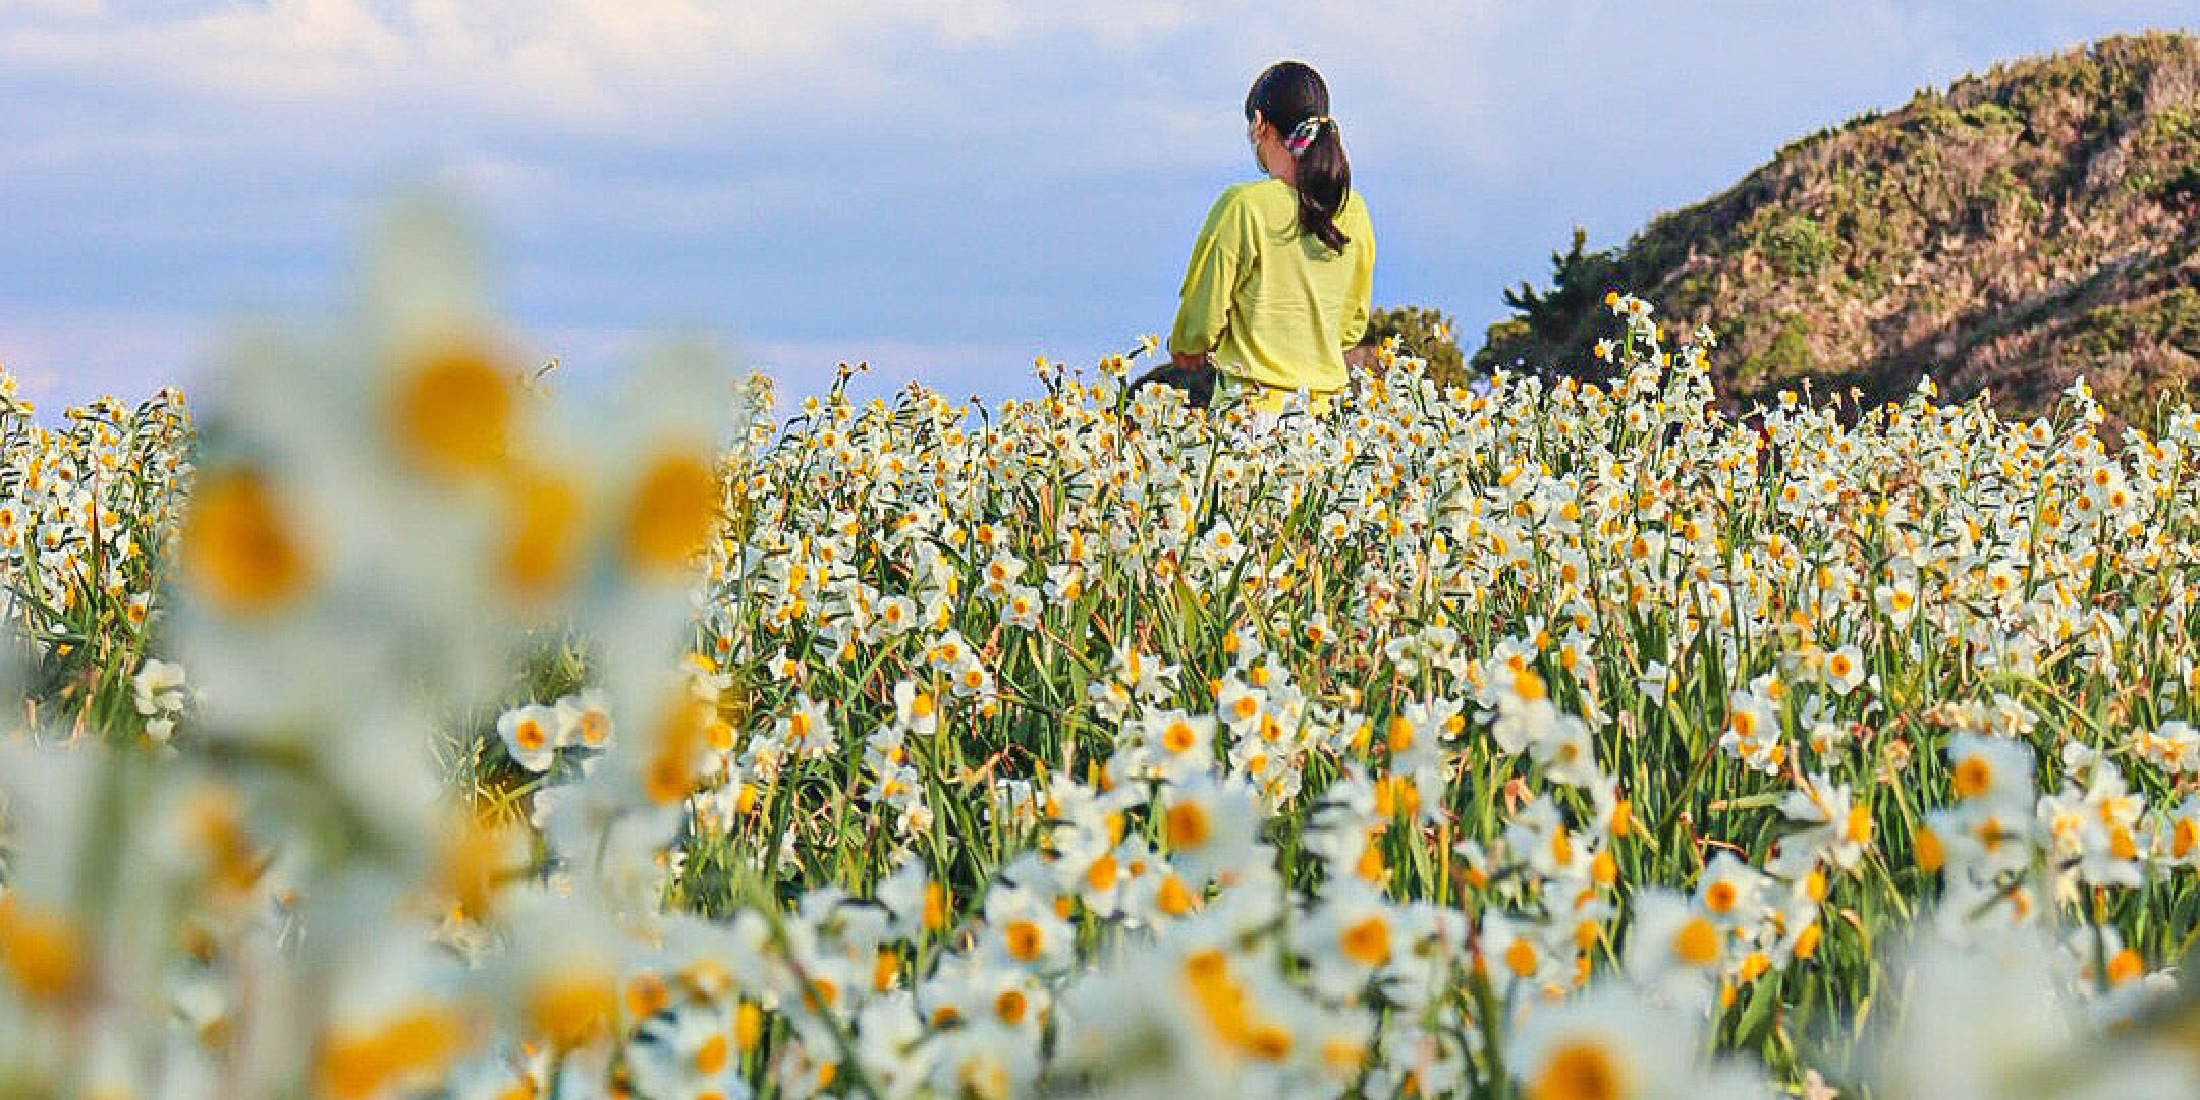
[1303,134]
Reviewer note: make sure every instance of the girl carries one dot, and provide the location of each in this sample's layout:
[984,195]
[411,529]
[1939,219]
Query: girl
[1280,275]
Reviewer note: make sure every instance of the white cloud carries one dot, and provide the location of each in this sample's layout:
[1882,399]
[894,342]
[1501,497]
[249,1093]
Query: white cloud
[66,9]
[1153,84]
[581,63]
[945,181]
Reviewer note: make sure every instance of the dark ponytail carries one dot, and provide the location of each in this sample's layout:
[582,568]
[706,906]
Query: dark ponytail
[1288,94]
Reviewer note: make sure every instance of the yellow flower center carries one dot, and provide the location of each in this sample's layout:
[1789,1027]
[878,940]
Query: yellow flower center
[1697,943]
[748,1026]
[674,508]
[646,996]
[1101,875]
[1529,686]
[710,1057]
[1370,864]
[1521,957]
[595,727]
[1930,855]
[1580,1069]
[1720,896]
[1268,1043]
[1755,965]
[569,1008]
[2125,966]
[40,950]
[1173,897]
[1399,734]
[1023,939]
[415,1045]
[1367,942]
[935,905]
[669,775]
[1010,1006]
[1860,825]
[1604,870]
[1187,825]
[1179,737]
[1806,943]
[452,415]
[543,539]
[1973,775]
[238,547]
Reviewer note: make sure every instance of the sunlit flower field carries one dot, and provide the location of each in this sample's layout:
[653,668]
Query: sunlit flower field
[398,724]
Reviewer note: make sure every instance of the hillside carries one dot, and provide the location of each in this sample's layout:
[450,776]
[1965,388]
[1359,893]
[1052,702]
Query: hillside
[2006,233]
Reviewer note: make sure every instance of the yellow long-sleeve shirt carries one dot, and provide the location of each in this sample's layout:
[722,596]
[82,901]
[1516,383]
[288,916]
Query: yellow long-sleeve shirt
[1274,305]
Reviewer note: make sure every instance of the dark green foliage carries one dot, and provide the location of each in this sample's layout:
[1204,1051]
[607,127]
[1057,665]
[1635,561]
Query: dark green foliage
[1552,325]
[1788,349]
[2172,319]
[1991,116]
[1422,332]
[1796,246]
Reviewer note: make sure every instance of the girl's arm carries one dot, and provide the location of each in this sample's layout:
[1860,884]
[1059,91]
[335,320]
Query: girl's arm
[1203,306]
[1359,301]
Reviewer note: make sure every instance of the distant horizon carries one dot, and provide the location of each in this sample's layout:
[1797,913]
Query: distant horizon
[947,191]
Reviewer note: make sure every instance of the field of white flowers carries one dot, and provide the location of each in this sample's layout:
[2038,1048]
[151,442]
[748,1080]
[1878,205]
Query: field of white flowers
[402,728]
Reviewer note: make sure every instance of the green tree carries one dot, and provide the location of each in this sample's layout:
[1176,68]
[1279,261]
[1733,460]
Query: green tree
[1423,332]
[1552,326]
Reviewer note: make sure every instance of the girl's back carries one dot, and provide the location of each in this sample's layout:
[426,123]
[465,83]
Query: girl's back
[1288,305]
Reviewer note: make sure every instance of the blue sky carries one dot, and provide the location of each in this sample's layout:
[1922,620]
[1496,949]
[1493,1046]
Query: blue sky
[946,188]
